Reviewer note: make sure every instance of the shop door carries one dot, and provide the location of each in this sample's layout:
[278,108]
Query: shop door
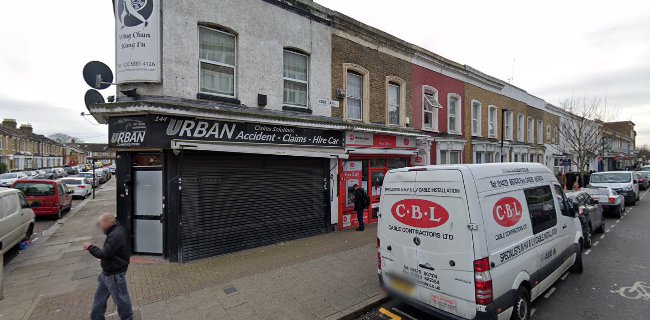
[148,211]
[233,202]
[374,191]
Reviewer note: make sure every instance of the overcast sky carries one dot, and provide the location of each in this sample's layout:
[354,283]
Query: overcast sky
[556,48]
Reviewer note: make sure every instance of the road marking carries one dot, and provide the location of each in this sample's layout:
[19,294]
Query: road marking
[390,314]
[617,221]
[587,252]
[532,311]
[549,293]
[565,276]
[639,290]
[606,231]
[595,243]
[602,237]
[614,225]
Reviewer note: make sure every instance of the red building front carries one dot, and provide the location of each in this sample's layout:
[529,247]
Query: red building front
[438,110]
[370,156]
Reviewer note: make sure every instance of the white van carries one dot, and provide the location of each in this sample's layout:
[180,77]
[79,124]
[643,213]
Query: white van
[16,219]
[475,241]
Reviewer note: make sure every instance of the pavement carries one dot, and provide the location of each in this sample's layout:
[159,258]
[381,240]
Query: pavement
[322,277]
[615,283]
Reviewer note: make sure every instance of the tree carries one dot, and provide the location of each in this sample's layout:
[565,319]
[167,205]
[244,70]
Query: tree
[581,130]
[3,167]
[63,138]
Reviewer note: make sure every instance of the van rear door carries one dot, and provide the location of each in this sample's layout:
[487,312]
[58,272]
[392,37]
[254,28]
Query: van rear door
[398,251]
[445,255]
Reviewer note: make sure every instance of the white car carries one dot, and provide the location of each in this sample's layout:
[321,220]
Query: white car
[7,179]
[609,199]
[16,219]
[475,241]
[79,185]
[623,182]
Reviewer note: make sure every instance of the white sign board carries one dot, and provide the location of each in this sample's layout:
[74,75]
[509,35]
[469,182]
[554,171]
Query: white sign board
[328,103]
[137,41]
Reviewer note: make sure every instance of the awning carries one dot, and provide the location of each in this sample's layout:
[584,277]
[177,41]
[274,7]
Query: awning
[408,152]
[278,150]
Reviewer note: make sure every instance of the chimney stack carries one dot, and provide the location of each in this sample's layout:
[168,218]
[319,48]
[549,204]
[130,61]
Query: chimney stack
[27,128]
[11,123]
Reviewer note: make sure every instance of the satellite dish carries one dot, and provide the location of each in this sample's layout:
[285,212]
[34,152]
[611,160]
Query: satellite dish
[92,97]
[98,75]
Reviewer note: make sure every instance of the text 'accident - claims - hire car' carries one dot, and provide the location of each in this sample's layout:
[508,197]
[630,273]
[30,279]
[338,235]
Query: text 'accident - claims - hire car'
[475,241]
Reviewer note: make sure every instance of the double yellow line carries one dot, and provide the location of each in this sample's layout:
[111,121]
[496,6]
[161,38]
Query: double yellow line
[389,314]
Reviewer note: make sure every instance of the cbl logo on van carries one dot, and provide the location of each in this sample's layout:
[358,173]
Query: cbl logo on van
[420,213]
[507,212]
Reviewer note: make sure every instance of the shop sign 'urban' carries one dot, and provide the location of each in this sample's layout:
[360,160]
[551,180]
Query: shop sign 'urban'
[158,132]
[137,40]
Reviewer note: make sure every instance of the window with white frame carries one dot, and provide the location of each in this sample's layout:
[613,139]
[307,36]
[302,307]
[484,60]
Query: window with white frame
[2,143]
[430,109]
[449,157]
[476,118]
[540,132]
[492,122]
[509,121]
[393,104]
[296,79]
[217,62]
[453,113]
[355,96]
[520,127]
[531,130]
[548,133]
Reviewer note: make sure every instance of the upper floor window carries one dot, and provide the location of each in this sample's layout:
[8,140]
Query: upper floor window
[393,104]
[520,127]
[355,96]
[548,134]
[296,79]
[217,62]
[540,132]
[476,118]
[492,121]
[509,121]
[454,113]
[430,109]
[531,130]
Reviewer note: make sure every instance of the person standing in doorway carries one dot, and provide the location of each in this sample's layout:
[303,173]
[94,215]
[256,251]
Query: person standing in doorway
[361,202]
[114,258]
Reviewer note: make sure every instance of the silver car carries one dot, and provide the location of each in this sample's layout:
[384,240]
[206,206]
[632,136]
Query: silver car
[608,198]
[79,185]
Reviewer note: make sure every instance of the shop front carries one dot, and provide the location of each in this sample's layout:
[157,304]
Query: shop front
[369,157]
[190,188]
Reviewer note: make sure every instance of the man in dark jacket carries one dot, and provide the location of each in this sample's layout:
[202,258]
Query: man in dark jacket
[114,258]
[361,202]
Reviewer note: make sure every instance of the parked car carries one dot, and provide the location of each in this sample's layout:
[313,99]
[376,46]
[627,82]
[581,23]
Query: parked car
[475,241]
[50,174]
[609,199]
[7,179]
[644,179]
[81,186]
[111,169]
[31,174]
[70,171]
[590,214]
[16,219]
[89,175]
[623,182]
[61,172]
[46,197]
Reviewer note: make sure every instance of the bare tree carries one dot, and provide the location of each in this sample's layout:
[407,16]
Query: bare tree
[64,138]
[581,130]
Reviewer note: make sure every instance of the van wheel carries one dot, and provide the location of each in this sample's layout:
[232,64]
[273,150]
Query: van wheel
[30,231]
[577,265]
[521,309]
[588,236]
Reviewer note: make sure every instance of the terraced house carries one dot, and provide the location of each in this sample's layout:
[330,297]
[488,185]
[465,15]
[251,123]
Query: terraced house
[22,149]
[292,104]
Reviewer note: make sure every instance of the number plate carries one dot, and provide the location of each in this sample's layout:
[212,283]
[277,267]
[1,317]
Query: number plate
[402,286]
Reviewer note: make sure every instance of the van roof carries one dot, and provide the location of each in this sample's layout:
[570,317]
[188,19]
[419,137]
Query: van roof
[486,170]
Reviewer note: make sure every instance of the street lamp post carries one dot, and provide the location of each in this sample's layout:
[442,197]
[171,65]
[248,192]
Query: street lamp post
[503,122]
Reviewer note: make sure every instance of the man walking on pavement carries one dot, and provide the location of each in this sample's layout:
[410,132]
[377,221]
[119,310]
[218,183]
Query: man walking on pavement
[361,202]
[114,258]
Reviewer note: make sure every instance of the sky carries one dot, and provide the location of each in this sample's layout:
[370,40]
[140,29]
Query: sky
[553,49]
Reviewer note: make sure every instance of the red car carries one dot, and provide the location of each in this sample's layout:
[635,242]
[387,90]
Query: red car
[46,197]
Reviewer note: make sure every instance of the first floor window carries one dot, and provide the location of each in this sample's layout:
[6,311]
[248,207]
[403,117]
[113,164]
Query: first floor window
[453,114]
[492,121]
[531,130]
[548,134]
[508,123]
[430,109]
[393,104]
[520,128]
[296,79]
[540,132]
[355,96]
[217,63]
[476,118]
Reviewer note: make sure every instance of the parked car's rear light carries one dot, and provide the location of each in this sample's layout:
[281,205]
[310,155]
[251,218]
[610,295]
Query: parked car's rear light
[581,210]
[483,281]
[378,254]
[81,187]
[612,200]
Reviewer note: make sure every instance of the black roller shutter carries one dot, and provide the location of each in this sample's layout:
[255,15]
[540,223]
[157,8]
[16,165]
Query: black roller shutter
[232,202]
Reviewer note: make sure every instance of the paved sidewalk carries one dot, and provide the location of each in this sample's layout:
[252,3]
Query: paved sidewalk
[321,277]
